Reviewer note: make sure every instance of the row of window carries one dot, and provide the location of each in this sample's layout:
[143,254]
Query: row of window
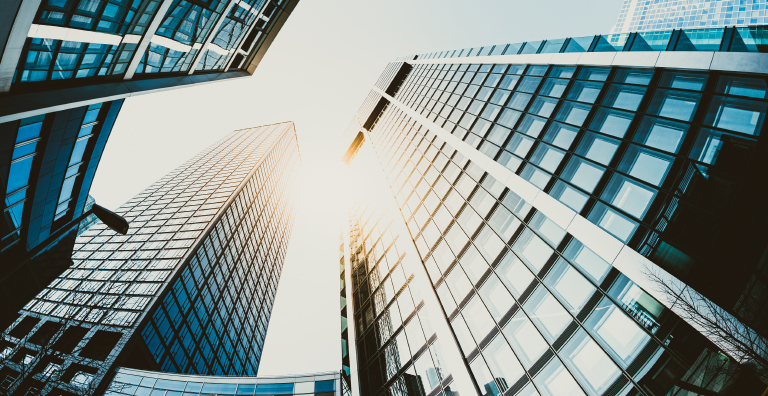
[516,296]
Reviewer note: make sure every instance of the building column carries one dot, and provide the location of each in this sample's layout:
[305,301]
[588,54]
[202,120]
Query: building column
[17,36]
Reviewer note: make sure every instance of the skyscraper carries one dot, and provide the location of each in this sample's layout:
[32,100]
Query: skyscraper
[60,54]
[648,15]
[189,289]
[47,164]
[582,212]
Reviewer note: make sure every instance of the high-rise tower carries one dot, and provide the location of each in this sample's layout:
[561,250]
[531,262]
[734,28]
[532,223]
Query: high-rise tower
[61,54]
[573,216]
[649,15]
[189,289]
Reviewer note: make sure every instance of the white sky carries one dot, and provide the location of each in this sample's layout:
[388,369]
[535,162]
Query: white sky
[317,73]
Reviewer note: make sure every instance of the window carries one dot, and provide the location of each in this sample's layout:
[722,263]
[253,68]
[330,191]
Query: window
[528,344]
[661,134]
[647,165]
[739,115]
[547,313]
[589,363]
[621,334]
[629,196]
[674,104]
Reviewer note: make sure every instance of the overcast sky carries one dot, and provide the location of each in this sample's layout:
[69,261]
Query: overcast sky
[317,73]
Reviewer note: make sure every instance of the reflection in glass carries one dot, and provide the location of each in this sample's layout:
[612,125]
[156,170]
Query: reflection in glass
[740,115]
[528,344]
[661,134]
[674,104]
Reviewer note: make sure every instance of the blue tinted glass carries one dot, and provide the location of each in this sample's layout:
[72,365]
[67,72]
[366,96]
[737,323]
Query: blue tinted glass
[170,385]
[19,174]
[651,41]
[246,389]
[15,213]
[531,47]
[13,198]
[66,189]
[26,149]
[77,152]
[274,389]
[220,388]
[90,116]
[742,86]
[736,114]
[30,131]
[700,40]
[325,386]
[579,44]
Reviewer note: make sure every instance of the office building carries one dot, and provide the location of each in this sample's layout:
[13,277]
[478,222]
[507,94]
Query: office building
[131,382]
[584,214]
[61,54]
[650,15]
[189,289]
[47,165]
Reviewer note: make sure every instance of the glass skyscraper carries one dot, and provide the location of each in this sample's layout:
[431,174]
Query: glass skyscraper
[57,54]
[577,216]
[648,15]
[189,289]
[47,165]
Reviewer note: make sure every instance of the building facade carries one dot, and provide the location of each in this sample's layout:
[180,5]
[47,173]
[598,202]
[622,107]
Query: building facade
[130,382]
[584,212]
[189,289]
[649,15]
[48,165]
[57,55]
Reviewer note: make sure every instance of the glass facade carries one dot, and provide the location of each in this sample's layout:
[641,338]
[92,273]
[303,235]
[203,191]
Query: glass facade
[129,382]
[752,38]
[99,39]
[646,15]
[486,160]
[189,289]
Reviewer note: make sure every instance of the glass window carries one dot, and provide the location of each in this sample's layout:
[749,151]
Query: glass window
[18,176]
[584,91]
[611,122]
[709,143]
[426,372]
[543,106]
[589,363]
[674,104]
[489,244]
[272,389]
[514,274]
[582,173]
[473,264]
[555,380]
[546,312]
[503,222]
[633,76]
[502,361]
[661,134]
[620,226]
[532,125]
[29,128]
[483,376]
[690,81]
[519,145]
[519,101]
[624,97]
[547,228]
[478,319]
[568,284]
[629,196]
[573,113]
[742,86]
[527,342]
[529,84]
[740,115]
[560,135]
[509,118]
[553,87]
[547,157]
[462,334]
[594,74]
[598,148]
[644,164]
[589,262]
[536,176]
[458,283]
[509,82]
[568,195]
[496,297]
[621,334]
